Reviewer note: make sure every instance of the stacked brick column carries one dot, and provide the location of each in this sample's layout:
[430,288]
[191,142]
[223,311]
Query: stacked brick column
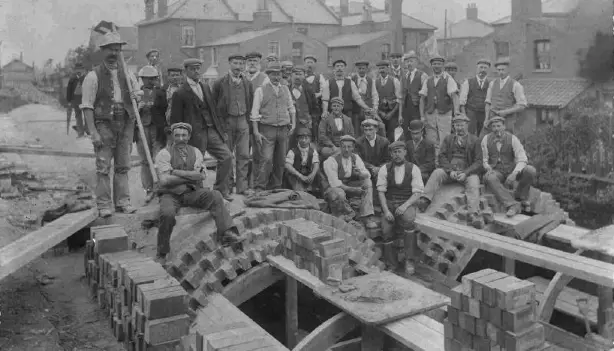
[146,306]
[493,311]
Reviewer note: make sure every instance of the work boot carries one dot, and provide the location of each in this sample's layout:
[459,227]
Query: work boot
[105,212]
[161,259]
[125,209]
[474,220]
[230,238]
[149,196]
[409,268]
[422,204]
[513,210]
[526,206]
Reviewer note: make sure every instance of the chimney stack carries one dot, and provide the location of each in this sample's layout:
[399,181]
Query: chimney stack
[472,12]
[344,8]
[149,9]
[522,10]
[162,8]
[367,12]
[263,17]
[396,24]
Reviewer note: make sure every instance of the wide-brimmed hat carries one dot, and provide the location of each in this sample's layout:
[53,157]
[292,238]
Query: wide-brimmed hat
[111,38]
[148,72]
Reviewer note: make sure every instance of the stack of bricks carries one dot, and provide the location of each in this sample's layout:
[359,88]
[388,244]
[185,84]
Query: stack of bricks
[491,310]
[147,307]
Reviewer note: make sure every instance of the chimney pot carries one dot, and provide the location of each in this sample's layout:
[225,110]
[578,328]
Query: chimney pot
[149,9]
[162,8]
[472,12]
[344,8]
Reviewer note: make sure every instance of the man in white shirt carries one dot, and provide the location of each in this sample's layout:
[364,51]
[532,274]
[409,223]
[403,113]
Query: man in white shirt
[316,82]
[303,163]
[473,97]
[505,97]
[342,87]
[349,178]
[368,92]
[399,187]
[389,91]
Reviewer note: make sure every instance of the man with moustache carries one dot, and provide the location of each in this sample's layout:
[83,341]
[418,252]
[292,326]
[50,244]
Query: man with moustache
[182,171]
[505,97]
[193,104]
[395,65]
[473,97]
[286,72]
[332,128]
[107,107]
[74,95]
[368,93]
[304,101]
[460,161]
[438,102]
[372,148]
[420,151]
[345,88]
[412,84]
[303,163]
[505,162]
[233,96]
[273,120]
[253,71]
[389,90]
[399,187]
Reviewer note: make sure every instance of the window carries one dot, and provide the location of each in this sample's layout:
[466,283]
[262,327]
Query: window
[302,30]
[330,57]
[502,49]
[297,52]
[545,116]
[542,54]
[274,48]
[187,36]
[385,51]
[214,57]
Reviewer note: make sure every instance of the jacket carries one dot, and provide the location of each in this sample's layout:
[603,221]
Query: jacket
[473,154]
[221,95]
[423,156]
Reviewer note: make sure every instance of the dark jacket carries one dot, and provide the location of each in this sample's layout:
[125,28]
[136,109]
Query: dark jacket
[186,106]
[329,136]
[221,96]
[473,154]
[310,95]
[376,156]
[70,89]
[423,156]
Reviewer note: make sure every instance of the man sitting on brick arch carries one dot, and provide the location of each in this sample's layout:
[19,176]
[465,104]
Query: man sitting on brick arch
[505,98]
[332,128]
[182,171]
[399,187]
[372,148]
[303,163]
[459,161]
[505,162]
[420,150]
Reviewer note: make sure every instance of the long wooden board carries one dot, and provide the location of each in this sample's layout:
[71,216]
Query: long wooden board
[26,249]
[563,233]
[48,152]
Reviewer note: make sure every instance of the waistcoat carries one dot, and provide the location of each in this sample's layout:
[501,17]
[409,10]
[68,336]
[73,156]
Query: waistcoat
[258,81]
[503,161]
[273,108]
[346,95]
[476,96]
[414,87]
[298,161]
[437,96]
[335,134]
[237,99]
[368,95]
[399,192]
[302,108]
[179,164]
[341,170]
[103,104]
[502,98]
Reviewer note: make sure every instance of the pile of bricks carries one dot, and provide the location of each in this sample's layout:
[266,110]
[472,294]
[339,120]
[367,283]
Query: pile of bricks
[491,310]
[146,306]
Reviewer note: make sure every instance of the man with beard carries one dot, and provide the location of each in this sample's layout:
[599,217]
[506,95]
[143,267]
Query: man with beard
[175,77]
[399,186]
[412,83]
[153,59]
[438,102]
[73,97]
[505,162]
[304,101]
[302,163]
[348,178]
[505,97]
[107,106]
[395,68]
[233,95]
[332,128]
[372,148]
[286,72]
[459,162]
[317,83]
[473,97]
[389,91]
[193,104]
[253,71]
[182,171]
[420,151]
[273,120]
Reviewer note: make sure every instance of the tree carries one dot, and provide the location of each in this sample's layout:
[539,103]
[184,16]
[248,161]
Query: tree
[597,64]
[83,54]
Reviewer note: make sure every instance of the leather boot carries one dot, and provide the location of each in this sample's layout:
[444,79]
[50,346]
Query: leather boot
[391,257]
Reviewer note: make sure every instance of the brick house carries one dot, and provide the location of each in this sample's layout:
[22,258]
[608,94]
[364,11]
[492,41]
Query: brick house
[17,73]
[462,33]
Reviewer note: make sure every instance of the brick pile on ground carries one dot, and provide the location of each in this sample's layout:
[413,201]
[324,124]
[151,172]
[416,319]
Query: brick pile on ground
[147,307]
[492,310]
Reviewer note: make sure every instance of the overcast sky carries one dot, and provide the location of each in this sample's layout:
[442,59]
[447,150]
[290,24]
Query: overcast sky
[45,29]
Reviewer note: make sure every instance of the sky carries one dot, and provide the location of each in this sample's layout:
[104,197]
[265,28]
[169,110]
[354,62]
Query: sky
[44,29]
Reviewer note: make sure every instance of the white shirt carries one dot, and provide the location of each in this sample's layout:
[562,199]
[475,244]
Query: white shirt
[520,155]
[89,88]
[371,142]
[196,88]
[417,185]
[339,122]
[331,169]
[452,87]
[163,161]
[304,154]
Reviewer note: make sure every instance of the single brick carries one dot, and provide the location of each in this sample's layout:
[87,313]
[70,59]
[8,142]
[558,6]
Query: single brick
[453,315]
[111,241]
[516,295]
[463,337]
[193,278]
[164,303]
[210,261]
[465,303]
[332,247]
[481,343]
[158,284]
[448,329]
[495,316]
[167,329]
[474,308]
[452,345]
[467,322]
[527,340]
[480,327]
[456,299]
[520,318]
[467,280]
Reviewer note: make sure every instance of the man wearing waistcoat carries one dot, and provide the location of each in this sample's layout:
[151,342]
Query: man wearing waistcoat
[367,91]
[395,65]
[273,120]
[399,186]
[460,161]
[317,83]
[233,95]
[332,128]
[348,178]
[505,97]
[302,163]
[372,148]
[304,102]
[175,77]
[257,77]
[438,103]
[473,97]
[451,68]
[73,97]
[389,91]
[182,171]
[344,88]
[193,103]
[420,151]
[505,162]
[107,107]
[412,84]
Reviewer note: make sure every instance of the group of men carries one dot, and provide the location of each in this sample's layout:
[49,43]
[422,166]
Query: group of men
[288,126]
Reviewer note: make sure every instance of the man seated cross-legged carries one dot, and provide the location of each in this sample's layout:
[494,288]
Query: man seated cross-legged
[181,171]
[303,164]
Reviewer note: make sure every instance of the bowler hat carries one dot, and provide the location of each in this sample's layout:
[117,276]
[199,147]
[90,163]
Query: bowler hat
[148,72]
[397,145]
[416,126]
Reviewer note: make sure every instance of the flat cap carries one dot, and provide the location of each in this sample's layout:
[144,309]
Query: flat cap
[496,119]
[253,54]
[192,62]
[502,61]
[395,54]
[461,117]
[437,58]
[287,64]
[383,63]
[79,65]
[151,52]
[271,57]
[397,145]
[451,65]
[369,122]
[416,126]
[410,55]
[236,57]
[298,69]
[484,61]
[303,132]
[337,100]
[348,138]
[273,67]
[181,125]
[315,59]
[361,63]
[174,69]
[339,61]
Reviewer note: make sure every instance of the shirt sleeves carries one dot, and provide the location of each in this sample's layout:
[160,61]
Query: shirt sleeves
[519,154]
[425,90]
[382,179]
[464,92]
[331,171]
[199,162]
[485,150]
[163,162]
[417,185]
[452,86]
[361,167]
[89,90]
[489,92]
[289,102]
[290,157]
[518,90]
[316,157]
[255,115]
[397,90]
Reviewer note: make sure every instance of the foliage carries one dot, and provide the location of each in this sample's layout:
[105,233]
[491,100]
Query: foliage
[596,64]
[83,54]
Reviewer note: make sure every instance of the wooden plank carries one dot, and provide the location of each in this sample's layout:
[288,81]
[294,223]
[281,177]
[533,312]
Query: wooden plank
[288,267]
[26,249]
[567,340]
[251,283]
[22,150]
[419,333]
[291,312]
[600,240]
[580,267]
[563,233]
[604,310]
[349,345]
[566,301]
[552,292]
[328,333]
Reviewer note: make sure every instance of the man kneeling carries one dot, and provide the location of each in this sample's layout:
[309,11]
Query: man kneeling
[181,171]
[302,163]
[459,161]
[399,186]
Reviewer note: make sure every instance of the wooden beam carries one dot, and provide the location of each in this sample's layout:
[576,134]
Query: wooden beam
[563,233]
[372,338]
[48,152]
[291,312]
[580,267]
[251,283]
[420,333]
[26,249]
[566,339]
[557,284]
[605,311]
[328,333]
[349,345]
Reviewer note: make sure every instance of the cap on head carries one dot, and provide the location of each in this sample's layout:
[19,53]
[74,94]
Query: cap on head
[192,62]
[315,59]
[395,55]
[369,122]
[271,58]
[151,52]
[148,72]
[416,126]
[361,63]
[461,117]
[181,125]
[337,100]
[437,58]
[287,64]
[298,69]
[174,69]
[397,145]
[236,57]
[303,132]
[348,138]
[484,62]
[383,63]
[502,62]
[410,55]
[79,65]
[274,67]
[253,54]
[451,65]
[111,38]
[496,119]
[339,61]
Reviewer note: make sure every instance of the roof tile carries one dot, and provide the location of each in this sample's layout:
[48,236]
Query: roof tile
[553,92]
[381,16]
[354,39]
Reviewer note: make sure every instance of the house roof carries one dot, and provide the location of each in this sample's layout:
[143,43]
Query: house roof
[283,11]
[380,16]
[553,92]
[14,62]
[354,39]
[549,8]
[242,37]
[467,28]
